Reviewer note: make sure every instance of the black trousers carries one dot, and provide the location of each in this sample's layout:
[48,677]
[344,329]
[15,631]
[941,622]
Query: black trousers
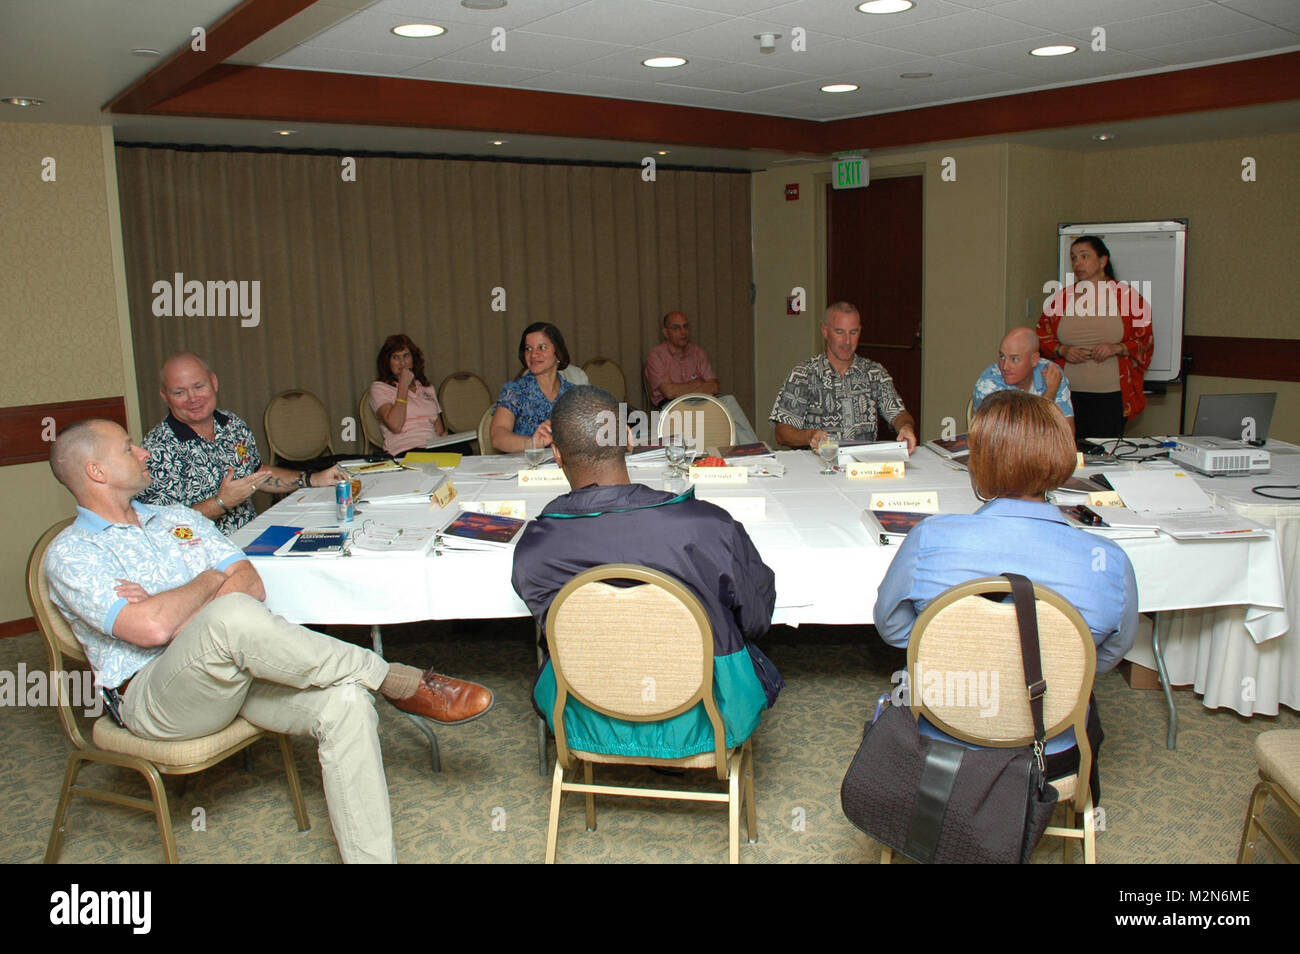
[1098,415]
[1066,763]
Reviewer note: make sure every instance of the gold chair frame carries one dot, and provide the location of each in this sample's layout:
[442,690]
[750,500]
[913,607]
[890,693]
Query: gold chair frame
[455,415]
[61,644]
[594,629]
[719,429]
[1255,825]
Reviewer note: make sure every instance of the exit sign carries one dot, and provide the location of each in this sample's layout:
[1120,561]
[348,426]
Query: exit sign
[851,172]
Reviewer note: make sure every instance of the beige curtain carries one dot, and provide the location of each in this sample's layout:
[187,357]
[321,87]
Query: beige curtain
[420,246]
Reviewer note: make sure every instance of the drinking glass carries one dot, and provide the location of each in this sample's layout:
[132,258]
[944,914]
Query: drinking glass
[828,450]
[675,449]
[534,451]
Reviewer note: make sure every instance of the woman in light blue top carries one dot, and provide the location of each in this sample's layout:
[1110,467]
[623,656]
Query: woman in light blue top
[523,411]
[1020,448]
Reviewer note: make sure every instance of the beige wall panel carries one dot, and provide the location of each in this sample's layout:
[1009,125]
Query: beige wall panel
[59,311]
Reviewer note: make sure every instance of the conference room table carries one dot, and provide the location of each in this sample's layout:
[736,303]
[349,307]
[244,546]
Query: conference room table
[808,528]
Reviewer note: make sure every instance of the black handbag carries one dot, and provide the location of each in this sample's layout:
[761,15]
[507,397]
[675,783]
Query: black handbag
[939,802]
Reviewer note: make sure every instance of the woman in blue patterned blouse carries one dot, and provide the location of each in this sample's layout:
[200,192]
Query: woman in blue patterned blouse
[523,410]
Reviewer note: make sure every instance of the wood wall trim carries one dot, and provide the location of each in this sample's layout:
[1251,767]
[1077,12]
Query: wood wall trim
[201,85]
[21,427]
[1263,359]
[18,627]
[234,31]
[254,92]
[1268,79]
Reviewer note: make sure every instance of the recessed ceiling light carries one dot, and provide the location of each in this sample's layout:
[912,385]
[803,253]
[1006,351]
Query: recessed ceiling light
[144,51]
[498,142]
[885,6]
[1058,50]
[482,4]
[1104,137]
[663,62]
[663,152]
[23,101]
[286,132]
[915,75]
[839,88]
[419,30]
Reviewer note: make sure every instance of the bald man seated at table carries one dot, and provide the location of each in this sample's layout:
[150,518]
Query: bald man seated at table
[159,599]
[1019,366]
[207,458]
[676,366]
[839,391]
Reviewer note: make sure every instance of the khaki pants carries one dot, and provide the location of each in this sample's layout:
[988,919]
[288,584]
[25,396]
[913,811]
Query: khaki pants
[237,658]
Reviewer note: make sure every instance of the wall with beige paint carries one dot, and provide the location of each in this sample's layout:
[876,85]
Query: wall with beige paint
[964,251]
[62,310]
[989,246]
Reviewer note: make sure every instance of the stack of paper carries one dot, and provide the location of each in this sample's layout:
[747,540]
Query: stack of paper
[1174,502]
[407,486]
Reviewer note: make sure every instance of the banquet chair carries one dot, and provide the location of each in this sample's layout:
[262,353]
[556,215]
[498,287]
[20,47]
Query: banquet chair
[111,744]
[297,426]
[970,411]
[463,397]
[713,428]
[606,642]
[962,632]
[370,427]
[1277,752]
[485,432]
[605,373]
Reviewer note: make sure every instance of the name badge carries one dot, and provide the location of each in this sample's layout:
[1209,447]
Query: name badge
[1104,498]
[921,501]
[501,508]
[874,469]
[719,475]
[444,495]
[547,477]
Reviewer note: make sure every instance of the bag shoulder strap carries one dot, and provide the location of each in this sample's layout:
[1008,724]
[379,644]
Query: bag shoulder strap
[1022,591]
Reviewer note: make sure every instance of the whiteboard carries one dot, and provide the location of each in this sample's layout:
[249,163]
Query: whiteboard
[1153,256]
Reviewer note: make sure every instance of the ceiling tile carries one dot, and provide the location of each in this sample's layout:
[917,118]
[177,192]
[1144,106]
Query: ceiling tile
[1081,65]
[617,21]
[1280,13]
[444,12]
[1070,15]
[962,31]
[840,17]
[1165,28]
[1221,47]
[371,32]
[484,74]
[536,51]
[734,78]
[345,61]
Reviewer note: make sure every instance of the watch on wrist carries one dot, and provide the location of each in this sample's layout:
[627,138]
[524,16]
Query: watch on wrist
[303,480]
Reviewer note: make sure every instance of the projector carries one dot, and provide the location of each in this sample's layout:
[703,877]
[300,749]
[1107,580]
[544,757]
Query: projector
[1219,457]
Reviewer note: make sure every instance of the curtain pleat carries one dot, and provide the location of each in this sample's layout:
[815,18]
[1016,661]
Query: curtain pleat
[420,246]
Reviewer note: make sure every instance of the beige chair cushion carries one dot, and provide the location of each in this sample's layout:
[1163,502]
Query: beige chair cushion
[702,760]
[111,737]
[1278,754]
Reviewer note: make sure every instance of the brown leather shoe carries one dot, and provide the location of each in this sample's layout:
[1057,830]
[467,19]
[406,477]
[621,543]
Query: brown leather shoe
[446,700]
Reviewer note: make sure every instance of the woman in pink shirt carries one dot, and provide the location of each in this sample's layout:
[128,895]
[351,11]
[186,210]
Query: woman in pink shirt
[407,407]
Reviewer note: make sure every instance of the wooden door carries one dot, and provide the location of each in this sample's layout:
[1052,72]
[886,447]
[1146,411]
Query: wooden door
[873,254]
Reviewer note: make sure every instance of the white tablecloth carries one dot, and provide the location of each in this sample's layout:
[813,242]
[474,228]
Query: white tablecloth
[827,568]
[1218,651]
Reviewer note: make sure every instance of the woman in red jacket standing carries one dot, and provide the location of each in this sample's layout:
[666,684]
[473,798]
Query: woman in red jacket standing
[1099,331]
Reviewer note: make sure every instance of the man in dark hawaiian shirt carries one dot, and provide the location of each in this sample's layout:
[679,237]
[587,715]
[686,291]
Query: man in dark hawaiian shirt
[207,458]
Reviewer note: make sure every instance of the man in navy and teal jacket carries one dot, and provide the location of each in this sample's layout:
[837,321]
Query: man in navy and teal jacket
[609,519]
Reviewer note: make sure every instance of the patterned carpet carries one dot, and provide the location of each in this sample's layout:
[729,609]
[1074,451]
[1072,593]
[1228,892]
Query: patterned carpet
[489,804]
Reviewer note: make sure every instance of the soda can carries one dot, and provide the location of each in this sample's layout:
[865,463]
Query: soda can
[347,504]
